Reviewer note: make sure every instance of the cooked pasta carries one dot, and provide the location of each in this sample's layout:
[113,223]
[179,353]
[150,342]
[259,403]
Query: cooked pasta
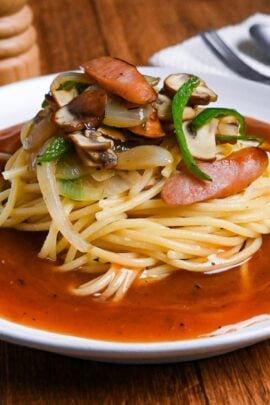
[124,231]
[129,237]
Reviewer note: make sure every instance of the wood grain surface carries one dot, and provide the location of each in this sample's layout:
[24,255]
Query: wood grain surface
[70,32]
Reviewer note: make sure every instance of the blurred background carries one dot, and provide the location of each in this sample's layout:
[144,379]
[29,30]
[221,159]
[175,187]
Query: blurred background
[70,32]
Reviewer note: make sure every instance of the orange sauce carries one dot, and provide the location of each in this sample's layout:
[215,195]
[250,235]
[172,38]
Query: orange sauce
[184,305]
[181,306]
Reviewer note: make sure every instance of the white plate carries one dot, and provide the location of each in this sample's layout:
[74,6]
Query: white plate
[19,102]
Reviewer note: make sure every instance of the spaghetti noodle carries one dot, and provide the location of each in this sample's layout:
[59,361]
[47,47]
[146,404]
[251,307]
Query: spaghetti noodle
[126,231]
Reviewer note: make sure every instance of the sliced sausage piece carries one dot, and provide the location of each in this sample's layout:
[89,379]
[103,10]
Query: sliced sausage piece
[151,129]
[120,78]
[229,176]
[259,128]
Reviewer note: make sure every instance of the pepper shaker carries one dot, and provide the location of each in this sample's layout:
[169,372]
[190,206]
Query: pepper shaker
[19,53]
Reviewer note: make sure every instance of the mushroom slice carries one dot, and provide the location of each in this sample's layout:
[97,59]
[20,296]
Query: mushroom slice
[202,143]
[106,159]
[89,105]
[68,121]
[188,113]
[67,86]
[228,125]
[38,131]
[85,158]
[90,141]
[86,110]
[163,105]
[112,133]
[201,95]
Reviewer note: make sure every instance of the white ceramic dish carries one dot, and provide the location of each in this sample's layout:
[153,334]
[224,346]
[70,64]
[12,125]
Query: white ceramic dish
[20,102]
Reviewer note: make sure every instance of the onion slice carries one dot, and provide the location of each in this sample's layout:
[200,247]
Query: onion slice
[48,187]
[120,114]
[144,157]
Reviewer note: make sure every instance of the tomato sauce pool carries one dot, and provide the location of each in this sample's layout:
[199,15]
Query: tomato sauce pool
[183,305]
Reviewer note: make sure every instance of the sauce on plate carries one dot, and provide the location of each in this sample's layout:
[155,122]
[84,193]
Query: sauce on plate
[183,305]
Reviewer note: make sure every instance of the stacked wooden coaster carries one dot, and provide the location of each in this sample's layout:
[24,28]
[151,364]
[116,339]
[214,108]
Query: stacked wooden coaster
[19,54]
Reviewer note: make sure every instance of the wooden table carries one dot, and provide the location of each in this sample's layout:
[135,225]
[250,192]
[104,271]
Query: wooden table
[70,32]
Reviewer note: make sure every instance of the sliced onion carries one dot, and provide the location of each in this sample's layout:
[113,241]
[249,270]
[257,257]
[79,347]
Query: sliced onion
[63,97]
[153,81]
[70,168]
[132,177]
[119,114]
[115,186]
[102,175]
[26,129]
[49,190]
[87,189]
[144,157]
[83,189]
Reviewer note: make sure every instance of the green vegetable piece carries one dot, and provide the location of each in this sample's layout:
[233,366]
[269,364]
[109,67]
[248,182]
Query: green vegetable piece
[44,103]
[228,138]
[178,104]
[73,189]
[70,84]
[209,113]
[82,189]
[70,167]
[57,148]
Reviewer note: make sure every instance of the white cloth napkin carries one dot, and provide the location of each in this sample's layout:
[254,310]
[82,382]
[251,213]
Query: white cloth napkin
[194,56]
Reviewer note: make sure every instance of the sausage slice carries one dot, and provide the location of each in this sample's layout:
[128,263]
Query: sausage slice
[229,176]
[151,129]
[121,78]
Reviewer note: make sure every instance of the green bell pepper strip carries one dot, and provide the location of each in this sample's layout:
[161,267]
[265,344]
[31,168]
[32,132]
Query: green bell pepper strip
[228,138]
[178,104]
[209,113]
[56,148]
[70,84]
[44,103]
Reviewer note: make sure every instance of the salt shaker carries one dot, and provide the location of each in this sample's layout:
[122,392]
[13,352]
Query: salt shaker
[19,53]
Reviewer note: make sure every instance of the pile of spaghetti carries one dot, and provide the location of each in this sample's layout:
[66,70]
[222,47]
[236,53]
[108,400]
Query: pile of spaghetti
[133,179]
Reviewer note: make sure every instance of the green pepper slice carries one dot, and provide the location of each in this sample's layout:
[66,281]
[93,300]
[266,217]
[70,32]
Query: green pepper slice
[178,104]
[228,138]
[57,148]
[210,113]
